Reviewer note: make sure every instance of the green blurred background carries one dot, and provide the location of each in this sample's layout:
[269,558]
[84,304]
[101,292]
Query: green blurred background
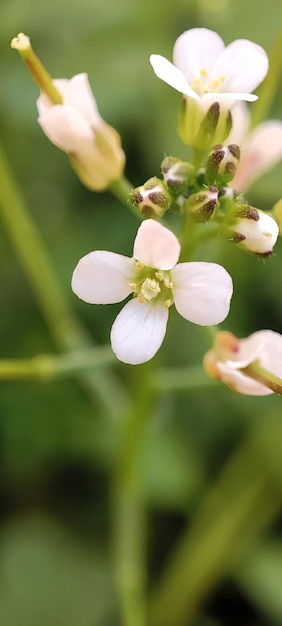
[210,461]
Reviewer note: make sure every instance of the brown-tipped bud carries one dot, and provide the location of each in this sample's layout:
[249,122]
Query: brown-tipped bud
[152,198]
[177,174]
[222,164]
[203,204]
[252,229]
[207,130]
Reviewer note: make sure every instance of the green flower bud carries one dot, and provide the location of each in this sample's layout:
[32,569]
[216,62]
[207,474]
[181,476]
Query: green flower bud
[177,174]
[152,198]
[203,204]
[222,164]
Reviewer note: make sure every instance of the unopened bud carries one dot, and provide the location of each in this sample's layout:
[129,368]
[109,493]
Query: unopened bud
[222,164]
[152,198]
[177,174]
[202,205]
[254,230]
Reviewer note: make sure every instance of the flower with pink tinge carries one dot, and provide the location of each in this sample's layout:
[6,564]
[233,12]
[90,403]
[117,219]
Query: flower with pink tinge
[230,355]
[261,148]
[200,291]
[76,127]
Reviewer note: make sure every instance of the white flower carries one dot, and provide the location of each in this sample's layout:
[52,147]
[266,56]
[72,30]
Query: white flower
[211,78]
[200,291]
[76,127]
[230,355]
[255,230]
[208,72]
[261,148]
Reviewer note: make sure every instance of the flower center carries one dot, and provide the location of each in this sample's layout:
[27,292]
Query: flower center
[202,84]
[150,284]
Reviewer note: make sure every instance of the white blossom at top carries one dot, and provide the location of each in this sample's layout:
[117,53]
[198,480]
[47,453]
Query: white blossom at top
[200,291]
[230,355]
[76,127]
[261,148]
[207,71]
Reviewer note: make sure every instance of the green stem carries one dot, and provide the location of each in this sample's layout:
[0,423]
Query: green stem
[129,512]
[233,513]
[182,379]
[263,376]
[65,329]
[47,366]
[121,189]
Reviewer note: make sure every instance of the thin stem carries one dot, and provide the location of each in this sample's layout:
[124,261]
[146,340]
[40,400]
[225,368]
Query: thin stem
[65,329]
[182,378]
[121,189]
[47,366]
[231,515]
[263,376]
[129,513]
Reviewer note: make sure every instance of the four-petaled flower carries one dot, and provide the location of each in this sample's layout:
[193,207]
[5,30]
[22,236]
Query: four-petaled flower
[211,78]
[76,127]
[207,71]
[200,291]
[230,355]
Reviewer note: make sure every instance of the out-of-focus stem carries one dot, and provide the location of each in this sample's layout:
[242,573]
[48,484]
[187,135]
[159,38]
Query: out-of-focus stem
[128,507]
[66,330]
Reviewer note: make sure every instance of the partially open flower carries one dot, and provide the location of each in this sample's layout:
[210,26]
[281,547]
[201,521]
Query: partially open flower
[261,148]
[76,127]
[200,291]
[231,360]
[206,72]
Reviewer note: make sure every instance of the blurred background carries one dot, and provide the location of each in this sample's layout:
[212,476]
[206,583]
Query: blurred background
[210,464]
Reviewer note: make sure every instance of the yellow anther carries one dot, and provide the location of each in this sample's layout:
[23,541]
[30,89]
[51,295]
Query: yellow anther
[204,73]
[139,265]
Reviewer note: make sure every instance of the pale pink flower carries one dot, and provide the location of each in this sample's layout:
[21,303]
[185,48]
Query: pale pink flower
[76,127]
[200,291]
[230,355]
[261,148]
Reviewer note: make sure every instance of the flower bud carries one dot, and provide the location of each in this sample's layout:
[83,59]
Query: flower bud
[152,198]
[69,117]
[201,127]
[254,230]
[222,164]
[202,205]
[177,174]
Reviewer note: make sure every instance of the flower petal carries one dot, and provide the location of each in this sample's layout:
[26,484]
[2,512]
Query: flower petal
[244,65]
[167,72]
[77,94]
[202,292]
[265,346]
[261,150]
[138,331]
[197,49]
[66,128]
[103,277]
[241,120]
[156,246]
